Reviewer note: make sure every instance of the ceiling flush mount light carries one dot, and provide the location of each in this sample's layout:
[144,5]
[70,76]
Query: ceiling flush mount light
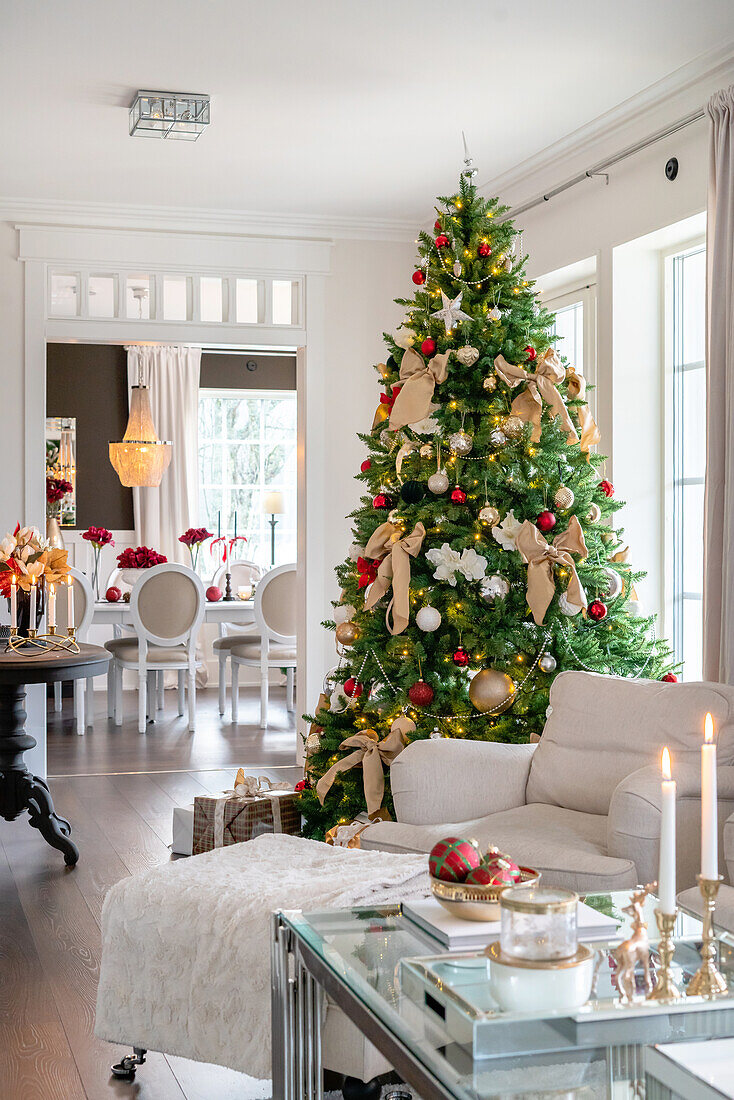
[141,458]
[180,115]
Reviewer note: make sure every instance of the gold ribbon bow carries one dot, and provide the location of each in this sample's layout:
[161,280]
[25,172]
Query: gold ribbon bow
[395,554]
[419,379]
[541,386]
[540,557]
[590,434]
[371,753]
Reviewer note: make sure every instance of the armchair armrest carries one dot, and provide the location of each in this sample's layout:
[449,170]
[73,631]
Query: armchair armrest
[633,824]
[436,781]
[729,848]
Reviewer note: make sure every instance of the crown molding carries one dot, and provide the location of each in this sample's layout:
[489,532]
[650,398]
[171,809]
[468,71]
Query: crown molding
[684,89]
[229,223]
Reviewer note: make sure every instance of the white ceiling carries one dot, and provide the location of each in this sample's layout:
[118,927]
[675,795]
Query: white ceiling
[345,108]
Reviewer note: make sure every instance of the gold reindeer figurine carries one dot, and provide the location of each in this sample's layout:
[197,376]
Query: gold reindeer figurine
[635,949]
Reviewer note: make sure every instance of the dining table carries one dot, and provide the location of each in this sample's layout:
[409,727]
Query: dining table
[215,611]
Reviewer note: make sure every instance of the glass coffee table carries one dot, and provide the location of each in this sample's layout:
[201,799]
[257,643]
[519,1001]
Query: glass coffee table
[429,1011]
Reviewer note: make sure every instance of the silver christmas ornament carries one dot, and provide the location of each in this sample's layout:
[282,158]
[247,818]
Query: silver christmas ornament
[451,311]
[490,383]
[495,587]
[428,619]
[594,513]
[508,263]
[394,516]
[494,314]
[386,437]
[426,450]
[438,483]
[614,584]
[566,607]
[547,663]
[489,514]
[457,268]
[563,498]
[497,437]
[344,613]
[467,355]
[461,443]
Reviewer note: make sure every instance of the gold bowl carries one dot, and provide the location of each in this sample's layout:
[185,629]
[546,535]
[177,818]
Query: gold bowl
[477,903]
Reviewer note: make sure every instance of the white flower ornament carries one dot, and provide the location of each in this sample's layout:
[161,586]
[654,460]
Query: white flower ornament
[506,532]
[472,565]
[447,561]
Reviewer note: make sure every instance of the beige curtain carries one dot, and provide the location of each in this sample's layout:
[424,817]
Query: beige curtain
[718,581]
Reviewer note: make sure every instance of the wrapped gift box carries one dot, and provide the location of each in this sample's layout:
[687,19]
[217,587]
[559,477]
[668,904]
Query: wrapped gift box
[213,821]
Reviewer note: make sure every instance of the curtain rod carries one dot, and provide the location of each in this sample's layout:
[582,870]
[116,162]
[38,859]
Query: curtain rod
[601,167]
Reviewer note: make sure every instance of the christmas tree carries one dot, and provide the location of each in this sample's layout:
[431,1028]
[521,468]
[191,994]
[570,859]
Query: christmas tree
[484,561]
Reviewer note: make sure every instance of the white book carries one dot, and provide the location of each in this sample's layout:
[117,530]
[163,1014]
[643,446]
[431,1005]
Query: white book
[453,932]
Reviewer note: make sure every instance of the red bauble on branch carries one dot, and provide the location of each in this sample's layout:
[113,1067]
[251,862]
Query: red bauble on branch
[530,352]
[607,488]
[419,277]
[421,694]
[437,225]
[546,521]
[597,610]
[441,241]
[366,465]
[352,688]
[669,678]
[484,249]
[458,495]
[382,500]
[428,346]
[460,657]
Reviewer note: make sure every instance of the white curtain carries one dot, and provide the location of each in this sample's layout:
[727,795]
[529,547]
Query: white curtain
[172,375]
[718,584]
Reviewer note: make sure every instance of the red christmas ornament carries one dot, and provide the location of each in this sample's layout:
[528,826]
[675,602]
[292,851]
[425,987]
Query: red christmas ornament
[366,465]
[460,657]
[484,249]
[421,694]
[302,785]
[428,346]
[669,678]
[382,500]
[213,594]
[389,398]
[530,352]
[437,225]
[597,610]
[367,571]
[607,488]
[452,859]
[441,241]
[501,869]
[113,594]
[352,688]
[546,521]
[458,495]
[419,277]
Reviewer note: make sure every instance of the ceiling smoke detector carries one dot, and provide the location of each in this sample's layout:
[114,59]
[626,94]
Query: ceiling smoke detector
[179,115]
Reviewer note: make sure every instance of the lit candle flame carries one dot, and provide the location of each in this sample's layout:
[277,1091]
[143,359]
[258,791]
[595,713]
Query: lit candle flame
[708,729]
[666,763]
[51,589]
[33,578]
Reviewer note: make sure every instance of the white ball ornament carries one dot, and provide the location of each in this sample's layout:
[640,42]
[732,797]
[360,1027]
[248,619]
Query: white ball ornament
[344,613]
[635,609]
[428,619]
[614,584]
[566,607]
[461,443]
[405,338]
[547,663]
[438,483]
[594,513]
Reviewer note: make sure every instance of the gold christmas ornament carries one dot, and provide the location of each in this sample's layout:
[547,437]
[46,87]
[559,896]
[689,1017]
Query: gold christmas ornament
[594,513]
[489,514]
[490,383]
[382,413]
[347,633]
[467,356]
[461,443]
[512,427]
[563,498]
[492,691]
[313,744]
[426,450]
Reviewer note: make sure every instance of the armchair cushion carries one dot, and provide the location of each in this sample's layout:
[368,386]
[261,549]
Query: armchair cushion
[603,728]
[440,780]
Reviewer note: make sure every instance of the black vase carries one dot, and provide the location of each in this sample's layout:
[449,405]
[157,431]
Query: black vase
[23,604]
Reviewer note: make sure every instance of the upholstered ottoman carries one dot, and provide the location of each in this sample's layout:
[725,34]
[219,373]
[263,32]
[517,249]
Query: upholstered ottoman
[186,948]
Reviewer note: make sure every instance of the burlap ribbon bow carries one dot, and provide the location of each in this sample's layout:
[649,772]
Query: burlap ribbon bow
[419,379]
[590,434]
[371,753]
[540,386]
[394,554]
[540,557]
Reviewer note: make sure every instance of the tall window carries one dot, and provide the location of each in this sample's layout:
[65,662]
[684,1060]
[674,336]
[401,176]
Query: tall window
[568,333]
[686,326]
[247,449]
[574,332]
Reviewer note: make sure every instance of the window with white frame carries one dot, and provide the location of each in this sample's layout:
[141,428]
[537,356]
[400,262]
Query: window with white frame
[574,331]
[685,339]
[247,449]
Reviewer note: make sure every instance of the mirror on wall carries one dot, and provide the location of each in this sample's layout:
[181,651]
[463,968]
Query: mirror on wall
[61,464]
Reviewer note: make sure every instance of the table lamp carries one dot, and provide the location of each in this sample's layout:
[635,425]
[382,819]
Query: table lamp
[273,506]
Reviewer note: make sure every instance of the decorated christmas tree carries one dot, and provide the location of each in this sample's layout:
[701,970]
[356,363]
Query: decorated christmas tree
[484,560]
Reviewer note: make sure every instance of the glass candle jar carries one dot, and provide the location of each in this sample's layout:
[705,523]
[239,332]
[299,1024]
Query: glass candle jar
[538,923]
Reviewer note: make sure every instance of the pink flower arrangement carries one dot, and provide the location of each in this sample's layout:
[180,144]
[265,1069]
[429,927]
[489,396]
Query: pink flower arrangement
[140,557]
[194,538]
[99,537]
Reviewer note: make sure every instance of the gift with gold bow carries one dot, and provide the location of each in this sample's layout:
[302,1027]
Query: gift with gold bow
[254,805]
[372,753]
[394,551]
[541,557]
[419,380]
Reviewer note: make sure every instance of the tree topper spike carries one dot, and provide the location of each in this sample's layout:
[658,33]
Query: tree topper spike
[469,171]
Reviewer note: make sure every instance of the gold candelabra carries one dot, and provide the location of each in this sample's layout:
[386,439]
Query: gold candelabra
[708,981]
[37,643]
[665,991]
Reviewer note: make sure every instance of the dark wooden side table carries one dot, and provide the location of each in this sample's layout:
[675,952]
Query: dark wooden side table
[19,790]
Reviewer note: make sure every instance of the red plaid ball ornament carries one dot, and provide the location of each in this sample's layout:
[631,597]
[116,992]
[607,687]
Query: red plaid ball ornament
[502,870]
[453,858]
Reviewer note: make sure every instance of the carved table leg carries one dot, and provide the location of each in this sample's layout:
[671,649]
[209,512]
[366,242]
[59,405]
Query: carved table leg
[19,790]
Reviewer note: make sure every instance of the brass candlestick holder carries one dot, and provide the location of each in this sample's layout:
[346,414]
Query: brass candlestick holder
[37,643]
[665,991]
[708,981]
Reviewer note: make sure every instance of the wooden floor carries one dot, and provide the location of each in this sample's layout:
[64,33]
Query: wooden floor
[118,789]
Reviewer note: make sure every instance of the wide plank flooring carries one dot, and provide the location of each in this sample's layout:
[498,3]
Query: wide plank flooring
[118,789]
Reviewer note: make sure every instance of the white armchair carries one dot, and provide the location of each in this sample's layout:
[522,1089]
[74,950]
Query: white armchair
[582,805]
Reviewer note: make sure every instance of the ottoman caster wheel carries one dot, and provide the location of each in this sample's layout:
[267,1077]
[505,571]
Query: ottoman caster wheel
[125,1069]
[352,1089]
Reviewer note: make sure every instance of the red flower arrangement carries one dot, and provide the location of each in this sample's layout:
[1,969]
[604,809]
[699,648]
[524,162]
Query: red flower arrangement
[367,571]
[607,488]
[193,538]
[389,398]
[99,537]
[140,557]
[56,489]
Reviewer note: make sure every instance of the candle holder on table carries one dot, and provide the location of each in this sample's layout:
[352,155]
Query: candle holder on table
[665,991]
[228,587]
[708,981]
[42,643]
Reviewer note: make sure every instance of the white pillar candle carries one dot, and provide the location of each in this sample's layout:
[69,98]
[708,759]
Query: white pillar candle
[32,622]
[51,606]
[666,870]
[69,602]
[13,603]
[709,812]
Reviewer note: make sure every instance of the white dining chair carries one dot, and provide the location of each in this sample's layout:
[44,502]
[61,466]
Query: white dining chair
[275,619]
[83,611]
[243,573]
[167,610]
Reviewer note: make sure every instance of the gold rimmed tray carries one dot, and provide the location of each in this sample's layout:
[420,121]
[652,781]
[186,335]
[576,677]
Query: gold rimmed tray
[477,903]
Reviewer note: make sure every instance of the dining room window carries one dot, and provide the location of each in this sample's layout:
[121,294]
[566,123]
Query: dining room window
[247,451]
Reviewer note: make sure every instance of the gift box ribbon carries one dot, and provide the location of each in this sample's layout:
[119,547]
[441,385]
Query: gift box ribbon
[249,788]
